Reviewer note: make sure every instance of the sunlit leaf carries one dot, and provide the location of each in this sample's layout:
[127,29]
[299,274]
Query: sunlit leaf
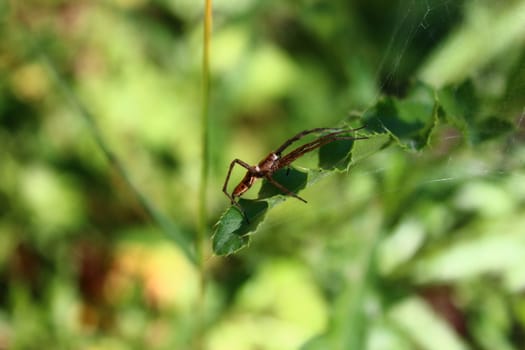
[498,249]
[233,228]
[414,315]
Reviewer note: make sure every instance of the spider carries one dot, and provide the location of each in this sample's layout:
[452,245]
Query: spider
[275,161]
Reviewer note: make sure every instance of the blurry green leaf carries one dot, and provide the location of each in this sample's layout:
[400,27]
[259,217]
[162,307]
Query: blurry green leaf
[281,299]
[384,336]
[460,104]
[350,314]
[461,107]
[287,289]
[229,45]
[409,121]
[488,30]
[268,72]
[55,203]
[401,245]
[485,198]
[518,308]
[491,322]
[424,327]
[493,127]
[498,247]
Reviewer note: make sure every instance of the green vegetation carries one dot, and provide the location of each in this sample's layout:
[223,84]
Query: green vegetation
[115,140]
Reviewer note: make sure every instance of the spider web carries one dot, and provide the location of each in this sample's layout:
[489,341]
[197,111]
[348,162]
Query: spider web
[422,19]
[430,23]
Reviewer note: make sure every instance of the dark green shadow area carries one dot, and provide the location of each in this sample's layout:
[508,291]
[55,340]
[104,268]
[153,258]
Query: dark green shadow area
[460,107]
[292,179]
[410,121]
[493,127]
[232,230]
[336,155]
[459,104]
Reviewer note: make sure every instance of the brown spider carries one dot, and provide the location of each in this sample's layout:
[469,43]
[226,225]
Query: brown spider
[275,161]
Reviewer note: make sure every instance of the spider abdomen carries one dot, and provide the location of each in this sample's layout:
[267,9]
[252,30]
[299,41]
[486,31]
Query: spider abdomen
[245,184]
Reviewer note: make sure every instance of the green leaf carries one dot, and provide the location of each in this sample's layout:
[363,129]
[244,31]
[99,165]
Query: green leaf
[374,143]
[409,121]
[486,33]
[499,243]
[233,229]
[414,315]
[291,178]
[493,127]
[461,108]
[234,226]
[336,155]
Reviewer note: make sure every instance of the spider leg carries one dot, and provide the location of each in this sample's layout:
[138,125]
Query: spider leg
[300,136]
[308,147]
[283,189]
[232,164]
[225,186]
[299,151]
[307,132]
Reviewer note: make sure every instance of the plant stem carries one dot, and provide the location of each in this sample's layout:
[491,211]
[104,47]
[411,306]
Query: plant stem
[200,241]
[203,192]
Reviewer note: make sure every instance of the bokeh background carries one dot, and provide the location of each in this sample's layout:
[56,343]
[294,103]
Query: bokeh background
[407,250]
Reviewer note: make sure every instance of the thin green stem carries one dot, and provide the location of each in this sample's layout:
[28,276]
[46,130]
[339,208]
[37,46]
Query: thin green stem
[203,190]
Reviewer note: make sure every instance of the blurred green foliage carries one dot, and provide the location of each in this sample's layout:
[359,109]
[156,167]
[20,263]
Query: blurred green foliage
[417,242]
